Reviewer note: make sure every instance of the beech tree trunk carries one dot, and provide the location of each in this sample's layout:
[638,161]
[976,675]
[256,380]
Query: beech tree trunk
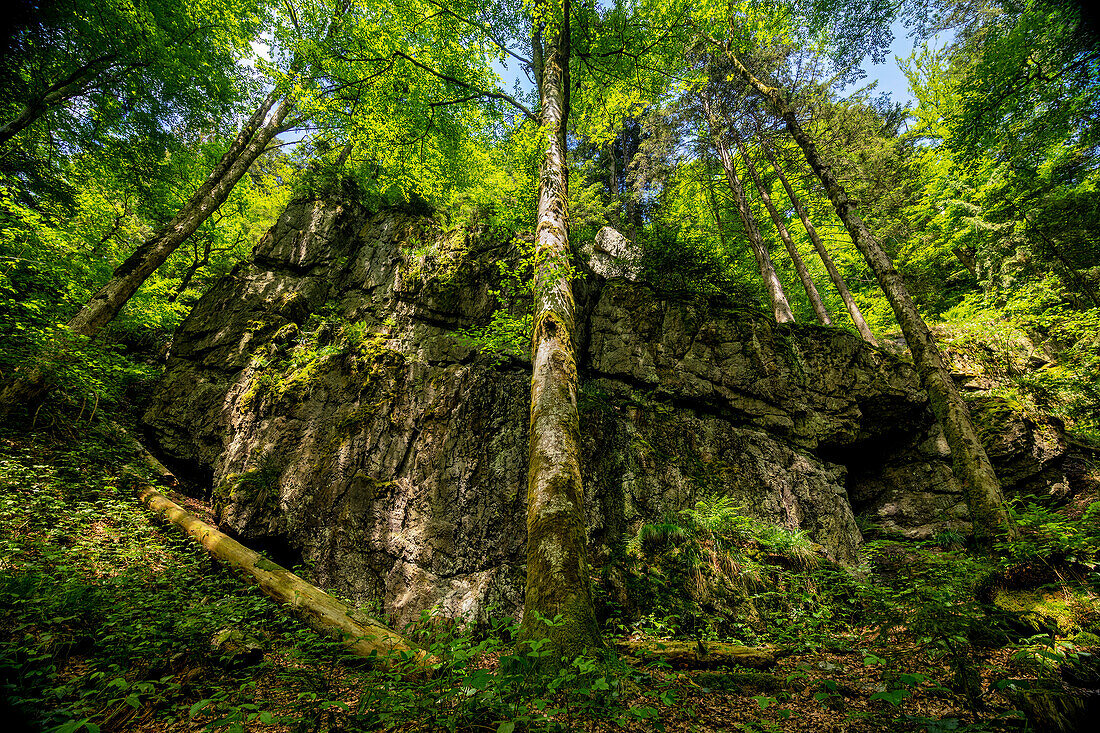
[799,265]
[101,308]
[362,636]
[971,464]
[826,258]
[557,551]
[780,307]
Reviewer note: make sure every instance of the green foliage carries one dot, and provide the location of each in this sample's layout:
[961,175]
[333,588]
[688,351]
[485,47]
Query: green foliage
[90,71]
[55,254]
[291,364]
[1036,349]
[1034,72]
[106,613]
[718,574]
[508,334]
[1049,536]
[687,262]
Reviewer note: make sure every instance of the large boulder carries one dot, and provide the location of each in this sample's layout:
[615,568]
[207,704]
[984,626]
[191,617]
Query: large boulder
[333,394]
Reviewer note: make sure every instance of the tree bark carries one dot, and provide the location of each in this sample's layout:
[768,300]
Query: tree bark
[799,265]
[362,636]
[965,256]
[557,552]
[826,258]
[780,307]
[712,199]
[101,308]
[972,467]
[698,654]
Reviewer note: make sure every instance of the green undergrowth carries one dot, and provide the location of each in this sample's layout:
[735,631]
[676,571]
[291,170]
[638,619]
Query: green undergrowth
[1034,350]
[110,621]
[985,628]
[711,572]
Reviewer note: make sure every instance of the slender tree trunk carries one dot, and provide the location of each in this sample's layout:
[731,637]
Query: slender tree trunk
[965,256]
[971,464]
[112,231]
[826,258]
[712,199]
[799,265]
[246,148]
[193,268]
[557,552]
[780,307]
[102,307]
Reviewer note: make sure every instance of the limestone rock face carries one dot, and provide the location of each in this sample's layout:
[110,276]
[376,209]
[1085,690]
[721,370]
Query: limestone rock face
[611,254]
[333,394]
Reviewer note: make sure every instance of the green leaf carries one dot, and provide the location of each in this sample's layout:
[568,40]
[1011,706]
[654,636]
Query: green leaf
[894,697]
[197,707]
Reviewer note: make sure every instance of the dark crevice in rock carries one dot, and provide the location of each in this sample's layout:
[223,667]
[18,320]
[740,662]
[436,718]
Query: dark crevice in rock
[278,549]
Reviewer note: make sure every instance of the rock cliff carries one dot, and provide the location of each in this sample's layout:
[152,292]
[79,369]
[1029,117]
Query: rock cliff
[331,394]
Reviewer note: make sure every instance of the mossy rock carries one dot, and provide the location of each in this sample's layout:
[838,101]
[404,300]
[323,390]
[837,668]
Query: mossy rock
[697,654]
[1086,639]
[1048,612]
[237,648]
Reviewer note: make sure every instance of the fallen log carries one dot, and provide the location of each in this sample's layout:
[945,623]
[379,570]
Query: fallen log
[697,654]
[363,636]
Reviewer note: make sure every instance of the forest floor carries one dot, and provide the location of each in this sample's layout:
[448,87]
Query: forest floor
[111,620]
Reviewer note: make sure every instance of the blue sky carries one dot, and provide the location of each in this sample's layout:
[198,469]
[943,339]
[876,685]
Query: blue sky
[889,75]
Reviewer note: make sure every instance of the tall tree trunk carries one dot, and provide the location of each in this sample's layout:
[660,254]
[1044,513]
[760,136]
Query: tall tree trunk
[826,258]
[557,552]
[799,265]
[128,277]
[971,464]
[712,199]
[101,308]
[780,307]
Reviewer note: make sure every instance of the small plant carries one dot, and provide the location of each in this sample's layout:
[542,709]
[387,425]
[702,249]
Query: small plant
[508,334]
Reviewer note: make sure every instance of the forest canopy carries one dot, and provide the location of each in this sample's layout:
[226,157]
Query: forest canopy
[731,155]
[981,190]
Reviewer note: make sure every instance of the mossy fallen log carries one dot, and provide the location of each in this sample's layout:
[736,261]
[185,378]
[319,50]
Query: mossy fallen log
[697,654]
[362,635]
